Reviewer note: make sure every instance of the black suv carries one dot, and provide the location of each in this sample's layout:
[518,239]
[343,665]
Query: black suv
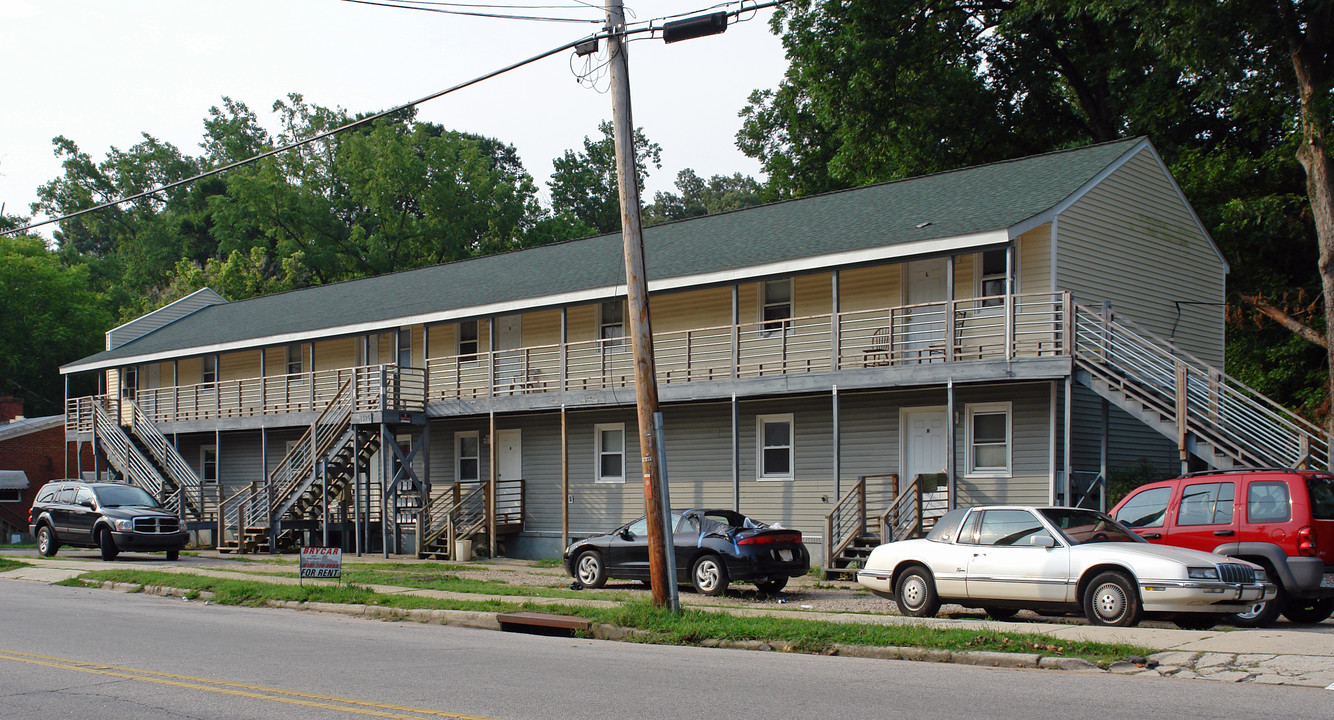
[108,516]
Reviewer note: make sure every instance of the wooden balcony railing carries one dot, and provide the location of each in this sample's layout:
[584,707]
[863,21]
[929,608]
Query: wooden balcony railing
[1007,326]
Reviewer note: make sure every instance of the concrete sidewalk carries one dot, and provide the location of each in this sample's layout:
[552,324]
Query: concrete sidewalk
[1278,655]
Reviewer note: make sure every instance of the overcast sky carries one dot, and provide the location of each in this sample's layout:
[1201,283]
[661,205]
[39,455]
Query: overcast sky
[101,72]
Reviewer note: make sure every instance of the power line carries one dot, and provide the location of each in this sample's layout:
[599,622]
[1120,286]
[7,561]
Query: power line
[303,141]
[501,16]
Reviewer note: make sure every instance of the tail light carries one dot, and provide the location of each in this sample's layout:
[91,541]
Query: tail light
[1306,541]
[770,539]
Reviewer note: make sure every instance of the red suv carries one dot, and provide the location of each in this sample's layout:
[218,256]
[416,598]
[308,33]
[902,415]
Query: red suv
[1278,518]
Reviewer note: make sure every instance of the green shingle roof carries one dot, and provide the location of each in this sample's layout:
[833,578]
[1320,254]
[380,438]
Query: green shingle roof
[960,202]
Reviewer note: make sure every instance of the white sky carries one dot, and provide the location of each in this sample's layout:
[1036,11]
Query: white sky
[101,72]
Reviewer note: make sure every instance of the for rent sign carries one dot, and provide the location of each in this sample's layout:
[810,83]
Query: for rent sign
[321,562]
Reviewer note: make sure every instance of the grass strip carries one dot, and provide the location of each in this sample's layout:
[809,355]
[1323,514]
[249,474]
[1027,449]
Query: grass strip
[658,625]
[7,564]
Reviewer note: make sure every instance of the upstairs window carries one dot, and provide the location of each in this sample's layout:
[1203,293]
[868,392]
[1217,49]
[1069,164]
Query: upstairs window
[992,283]
[294,359]
[208,369]
[776,309]
[129,382]
[468,343]
[611,324]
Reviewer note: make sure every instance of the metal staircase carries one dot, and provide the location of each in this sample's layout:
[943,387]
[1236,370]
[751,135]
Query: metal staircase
[458,514]
[179,479]
[320,465]
[852,532]
[1208,414]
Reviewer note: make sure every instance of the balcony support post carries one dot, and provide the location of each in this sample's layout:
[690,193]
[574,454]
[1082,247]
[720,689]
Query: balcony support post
[834,332]
[736,331]
[564,354]
[949,308]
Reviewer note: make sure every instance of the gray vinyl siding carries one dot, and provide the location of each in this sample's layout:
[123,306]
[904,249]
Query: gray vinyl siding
[1029,481]
[161,317]
[238,460]
[1133,241]
[1129,442]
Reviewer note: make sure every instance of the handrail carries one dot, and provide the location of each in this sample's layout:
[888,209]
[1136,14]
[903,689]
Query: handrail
[845,522]
[178,471]
[122,453]
[290,476]
[1237,420]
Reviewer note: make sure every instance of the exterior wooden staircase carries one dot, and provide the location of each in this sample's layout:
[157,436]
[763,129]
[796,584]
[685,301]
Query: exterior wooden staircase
[1208,414]
[852,531]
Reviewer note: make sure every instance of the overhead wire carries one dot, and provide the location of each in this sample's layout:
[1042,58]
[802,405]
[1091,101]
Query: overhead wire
[536,18]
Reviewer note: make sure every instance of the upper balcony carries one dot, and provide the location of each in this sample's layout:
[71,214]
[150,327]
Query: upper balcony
[908,341]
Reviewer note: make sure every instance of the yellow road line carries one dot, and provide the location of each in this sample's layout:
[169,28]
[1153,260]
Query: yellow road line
[257,692]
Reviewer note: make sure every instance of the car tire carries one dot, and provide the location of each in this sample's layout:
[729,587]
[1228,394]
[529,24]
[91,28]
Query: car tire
[709,576]
[915,593]
[46,541]
[1112,599]
[1197,621]
[1262,614]
[107,545]
[771,586]
[1000,613]
[173,554]
[1309,611]
[589,569]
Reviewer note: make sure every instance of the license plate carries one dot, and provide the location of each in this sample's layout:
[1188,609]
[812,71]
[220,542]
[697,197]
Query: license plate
[1327,581]
[785,555]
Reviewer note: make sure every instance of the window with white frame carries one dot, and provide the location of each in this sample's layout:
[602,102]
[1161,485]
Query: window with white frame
[991,283]
[208,369]
[467,457]
[9,495]
[294,359]
[129,381]
[776,306]
[609,440]
[468,342]
[208,464]
[774,445]
[611,324]
[989,433]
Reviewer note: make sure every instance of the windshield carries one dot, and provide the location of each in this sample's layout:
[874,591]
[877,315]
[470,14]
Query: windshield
[1080,527]
[124,495]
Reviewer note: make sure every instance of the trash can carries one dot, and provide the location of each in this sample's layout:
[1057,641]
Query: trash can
[462,550]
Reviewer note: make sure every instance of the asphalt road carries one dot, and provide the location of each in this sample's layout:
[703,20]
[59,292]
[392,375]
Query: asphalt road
[69,652]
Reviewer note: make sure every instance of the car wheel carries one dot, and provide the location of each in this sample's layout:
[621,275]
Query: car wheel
[173,554]
[709,576]
[1111,599]
[1197,621]
[1261,614]
[107,544]
[46,541]
[916,593]
[771,586]
[589,570]
[1309,611]
[999,613]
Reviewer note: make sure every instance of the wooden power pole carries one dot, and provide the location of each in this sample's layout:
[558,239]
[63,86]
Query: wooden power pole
[636,290]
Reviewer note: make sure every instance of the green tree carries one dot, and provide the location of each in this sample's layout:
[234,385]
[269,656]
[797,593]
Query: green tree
[720,193]
[583,185]
[49,315]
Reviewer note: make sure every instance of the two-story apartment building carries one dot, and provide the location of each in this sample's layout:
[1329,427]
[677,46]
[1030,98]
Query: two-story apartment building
[818,359]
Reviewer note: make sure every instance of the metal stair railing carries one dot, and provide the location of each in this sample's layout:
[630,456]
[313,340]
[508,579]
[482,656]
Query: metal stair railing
[294,473]
[902,519]
[243,509]
[123,454]
[1200,400]
[845,522]
[180,473]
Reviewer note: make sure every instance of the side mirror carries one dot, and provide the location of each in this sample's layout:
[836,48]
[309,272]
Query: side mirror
[86,503]
[1042,540]
[625,534]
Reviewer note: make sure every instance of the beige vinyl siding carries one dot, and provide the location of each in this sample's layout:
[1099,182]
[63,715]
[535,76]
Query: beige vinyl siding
[238,365]
[541,328]
[967,275]
[1029,481]
[444,340]
[710,307]
[113,382]
[812,294]
[869,288]
[337,353]
[581,323]
[1131,240]
[1034,257]
[189,369]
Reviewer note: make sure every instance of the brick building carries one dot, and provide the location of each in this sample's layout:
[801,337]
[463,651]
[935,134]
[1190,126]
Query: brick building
[33,452]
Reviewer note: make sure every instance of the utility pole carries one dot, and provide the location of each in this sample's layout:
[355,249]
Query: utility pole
[636,291]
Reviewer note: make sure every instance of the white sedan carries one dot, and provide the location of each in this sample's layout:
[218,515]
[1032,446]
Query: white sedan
[1008,558]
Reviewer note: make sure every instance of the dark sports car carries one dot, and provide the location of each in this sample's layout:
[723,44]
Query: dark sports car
[713,548]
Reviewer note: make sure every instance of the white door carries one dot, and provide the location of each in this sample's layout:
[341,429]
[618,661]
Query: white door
[509,365]
[924,449]
[509,467]
[923,332]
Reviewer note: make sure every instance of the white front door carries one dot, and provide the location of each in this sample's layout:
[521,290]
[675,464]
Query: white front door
[509,467]
[923,333]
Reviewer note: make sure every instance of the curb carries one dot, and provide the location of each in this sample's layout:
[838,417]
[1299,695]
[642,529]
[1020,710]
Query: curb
[615,633]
